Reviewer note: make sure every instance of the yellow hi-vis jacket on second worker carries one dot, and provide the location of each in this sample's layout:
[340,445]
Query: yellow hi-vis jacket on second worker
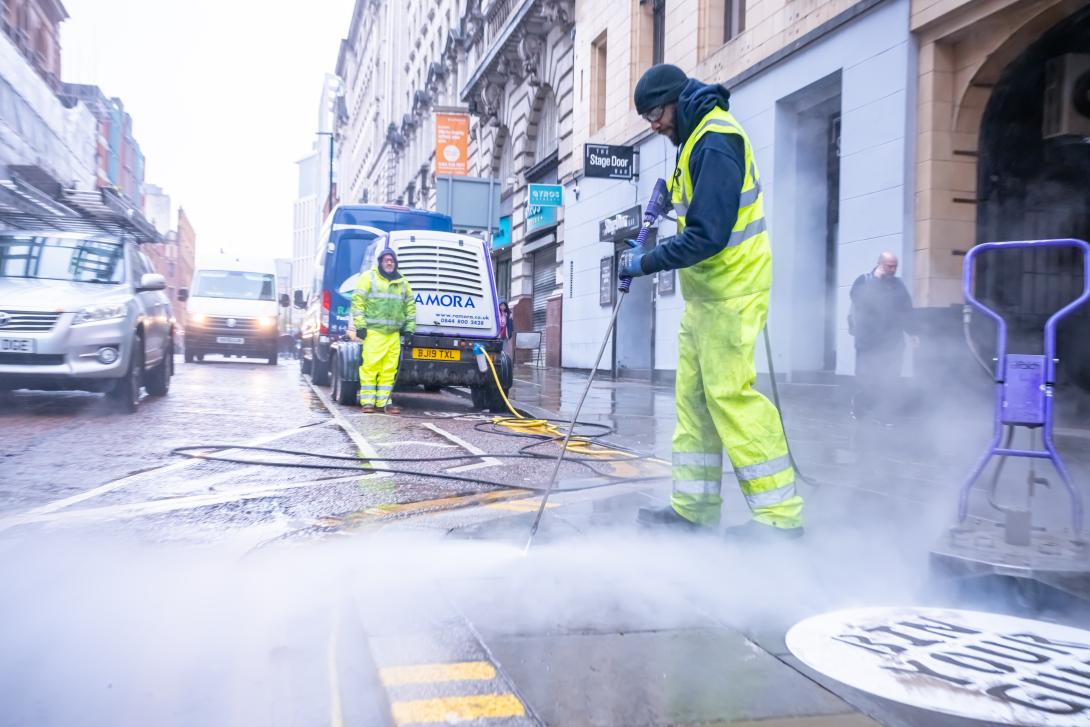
[384,308]
[726,305]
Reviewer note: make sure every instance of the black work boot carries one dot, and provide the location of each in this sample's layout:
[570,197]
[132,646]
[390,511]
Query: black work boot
[759,533]
[665,518]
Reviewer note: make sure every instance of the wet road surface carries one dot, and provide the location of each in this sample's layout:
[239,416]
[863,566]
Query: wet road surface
[151,588]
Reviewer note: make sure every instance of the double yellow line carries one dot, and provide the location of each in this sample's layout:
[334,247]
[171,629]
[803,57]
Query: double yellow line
[495,705]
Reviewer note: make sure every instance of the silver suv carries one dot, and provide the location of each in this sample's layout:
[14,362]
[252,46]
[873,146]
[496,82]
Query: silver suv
[83,311]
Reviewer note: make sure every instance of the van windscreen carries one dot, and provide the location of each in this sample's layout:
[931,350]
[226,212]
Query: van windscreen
[234,284]
[353,253]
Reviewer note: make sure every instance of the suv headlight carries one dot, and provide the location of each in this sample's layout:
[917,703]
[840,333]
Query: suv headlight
[104,312]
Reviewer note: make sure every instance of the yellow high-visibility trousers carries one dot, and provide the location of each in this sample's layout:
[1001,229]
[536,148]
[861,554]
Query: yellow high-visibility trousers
[718,409]
[381,352]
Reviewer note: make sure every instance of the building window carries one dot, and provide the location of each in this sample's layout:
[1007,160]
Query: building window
[546,141]
[507,163]
[598,56]
[721,22]
[658,30]
[734,18]
[649,40]
[503,279]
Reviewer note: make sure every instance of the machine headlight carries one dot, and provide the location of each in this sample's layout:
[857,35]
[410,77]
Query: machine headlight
[102,312]
[266,321]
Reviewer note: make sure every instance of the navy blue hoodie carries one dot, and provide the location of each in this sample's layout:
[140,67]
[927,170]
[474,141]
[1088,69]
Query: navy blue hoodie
[717,168]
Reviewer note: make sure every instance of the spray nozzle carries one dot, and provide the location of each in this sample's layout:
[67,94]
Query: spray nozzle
[656,205]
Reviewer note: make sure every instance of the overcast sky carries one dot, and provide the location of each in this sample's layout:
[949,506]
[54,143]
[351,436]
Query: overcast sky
[224,97]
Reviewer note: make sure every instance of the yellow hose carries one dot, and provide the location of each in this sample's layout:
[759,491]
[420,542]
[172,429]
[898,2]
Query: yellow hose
[544,427]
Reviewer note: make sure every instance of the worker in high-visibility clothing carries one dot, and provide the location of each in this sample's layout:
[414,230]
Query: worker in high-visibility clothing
[724,260]
[384,308]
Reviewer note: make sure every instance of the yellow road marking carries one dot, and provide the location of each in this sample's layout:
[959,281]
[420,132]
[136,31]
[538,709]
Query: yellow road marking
[449,709]
[522,505]
[623,469]
[383,512]
[431,673]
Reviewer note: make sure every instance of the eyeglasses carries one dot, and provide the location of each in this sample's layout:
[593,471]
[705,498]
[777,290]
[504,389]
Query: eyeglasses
[654,114]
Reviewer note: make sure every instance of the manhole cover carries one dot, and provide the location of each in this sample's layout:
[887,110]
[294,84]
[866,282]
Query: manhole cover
[966,663]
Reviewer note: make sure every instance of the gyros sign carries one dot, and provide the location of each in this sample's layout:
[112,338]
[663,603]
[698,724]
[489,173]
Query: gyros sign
[967,663]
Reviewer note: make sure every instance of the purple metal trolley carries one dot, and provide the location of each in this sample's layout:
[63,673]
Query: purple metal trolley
[1024,390]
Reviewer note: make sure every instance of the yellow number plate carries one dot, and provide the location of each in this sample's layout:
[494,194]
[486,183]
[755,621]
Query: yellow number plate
[438,354]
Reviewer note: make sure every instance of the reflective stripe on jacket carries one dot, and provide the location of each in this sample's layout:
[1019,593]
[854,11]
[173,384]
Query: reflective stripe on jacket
[383,305]
[744,266]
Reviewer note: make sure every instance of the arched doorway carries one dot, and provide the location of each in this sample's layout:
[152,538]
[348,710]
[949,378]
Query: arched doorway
[1033,187]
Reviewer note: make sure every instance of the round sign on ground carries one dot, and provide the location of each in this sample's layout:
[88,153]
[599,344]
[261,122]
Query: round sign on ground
[971,664]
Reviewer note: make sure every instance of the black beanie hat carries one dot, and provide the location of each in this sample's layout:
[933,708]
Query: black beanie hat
[660,85]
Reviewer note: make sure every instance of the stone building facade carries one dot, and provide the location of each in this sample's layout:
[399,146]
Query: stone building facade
[823,88]
[519,87]
[507,64]
[876,124]
[1002,154]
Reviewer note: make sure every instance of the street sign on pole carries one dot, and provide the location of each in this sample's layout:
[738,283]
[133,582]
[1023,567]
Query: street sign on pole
[546,195]
[471,203]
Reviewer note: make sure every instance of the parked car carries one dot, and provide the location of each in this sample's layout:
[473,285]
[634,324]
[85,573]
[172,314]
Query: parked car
[83,311]
[457,319]
[233,309]
[346,236]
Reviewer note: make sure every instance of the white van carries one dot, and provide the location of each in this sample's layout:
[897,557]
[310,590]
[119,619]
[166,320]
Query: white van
[456,313]
[233,309]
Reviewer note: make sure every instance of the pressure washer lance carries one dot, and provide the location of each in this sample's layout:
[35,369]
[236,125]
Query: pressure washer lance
[656,207]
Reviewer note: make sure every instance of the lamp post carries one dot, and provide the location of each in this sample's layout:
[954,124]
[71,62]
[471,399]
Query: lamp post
[329,195]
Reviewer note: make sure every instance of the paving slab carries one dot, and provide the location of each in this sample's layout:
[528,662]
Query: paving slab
[676,677]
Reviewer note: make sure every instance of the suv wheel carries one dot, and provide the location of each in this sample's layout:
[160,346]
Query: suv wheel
[126,392]
[158,382]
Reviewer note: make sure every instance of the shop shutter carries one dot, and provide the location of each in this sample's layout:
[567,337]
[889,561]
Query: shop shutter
[544,271]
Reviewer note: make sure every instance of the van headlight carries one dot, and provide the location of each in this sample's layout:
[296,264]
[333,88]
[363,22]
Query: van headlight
[266,321]
[104,312]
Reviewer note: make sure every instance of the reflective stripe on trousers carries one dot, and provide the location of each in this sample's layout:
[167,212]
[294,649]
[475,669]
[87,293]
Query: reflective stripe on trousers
[755,480]
[697,473]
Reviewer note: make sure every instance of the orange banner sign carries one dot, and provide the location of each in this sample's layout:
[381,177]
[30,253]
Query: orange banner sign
[452,144]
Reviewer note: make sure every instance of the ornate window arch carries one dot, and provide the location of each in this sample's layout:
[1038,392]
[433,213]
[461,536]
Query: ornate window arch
[547,136]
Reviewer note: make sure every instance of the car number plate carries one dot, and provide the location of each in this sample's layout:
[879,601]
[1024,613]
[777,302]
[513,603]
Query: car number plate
[17,345]
[438,354]
[230,339]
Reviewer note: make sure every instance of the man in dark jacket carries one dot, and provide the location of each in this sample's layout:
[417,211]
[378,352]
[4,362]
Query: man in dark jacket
[880,316]
[724,261]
